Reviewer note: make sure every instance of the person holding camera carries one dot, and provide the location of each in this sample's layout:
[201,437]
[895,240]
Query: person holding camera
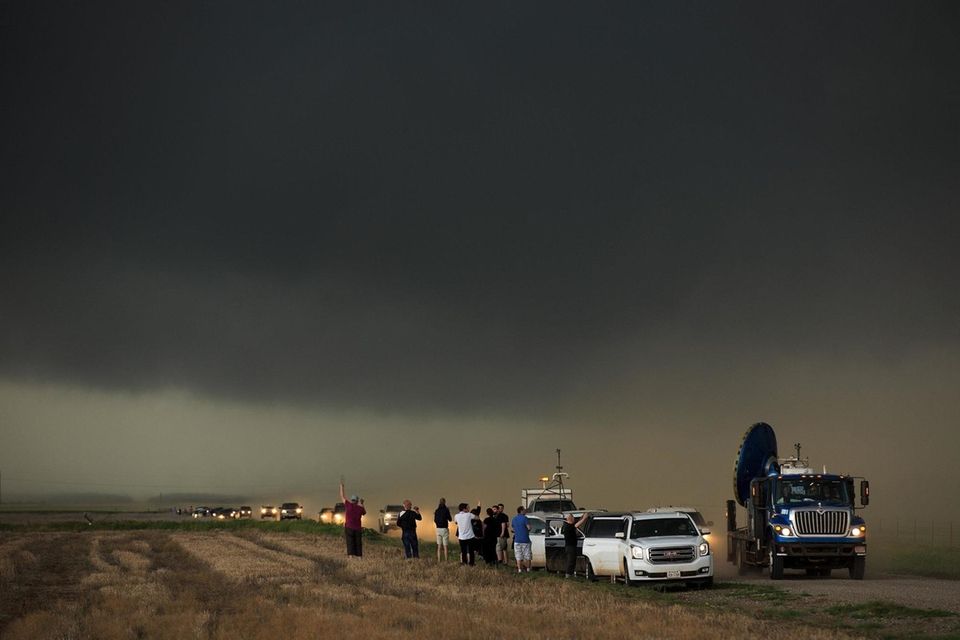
[352,525]
[407,521]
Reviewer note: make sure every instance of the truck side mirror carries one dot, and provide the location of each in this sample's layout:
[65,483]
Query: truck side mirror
[864,492]
[756,494]
[705,532]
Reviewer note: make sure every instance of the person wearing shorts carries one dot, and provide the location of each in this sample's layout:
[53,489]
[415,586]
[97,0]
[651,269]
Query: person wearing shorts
[442,520]
[521,540]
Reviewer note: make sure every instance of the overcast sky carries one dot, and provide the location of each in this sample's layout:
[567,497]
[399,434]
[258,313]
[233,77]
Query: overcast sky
[424,245]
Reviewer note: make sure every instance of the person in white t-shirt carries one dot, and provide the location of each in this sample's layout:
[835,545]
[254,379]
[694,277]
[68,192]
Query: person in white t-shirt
[465,535]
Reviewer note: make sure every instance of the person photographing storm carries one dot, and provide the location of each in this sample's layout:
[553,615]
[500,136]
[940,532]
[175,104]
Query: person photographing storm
[352,526]
[407,521]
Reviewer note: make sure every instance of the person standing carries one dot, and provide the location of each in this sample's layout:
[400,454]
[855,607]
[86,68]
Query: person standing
[465,536]
[442,520]
[570,535]
[477,531]
[521,540]
[352,523]
[407,521]
[491,533]
[504,538]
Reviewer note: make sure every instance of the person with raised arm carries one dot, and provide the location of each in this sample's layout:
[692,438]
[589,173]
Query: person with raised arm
[352,524]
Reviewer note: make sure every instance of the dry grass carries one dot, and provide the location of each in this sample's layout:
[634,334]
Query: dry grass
[253,585]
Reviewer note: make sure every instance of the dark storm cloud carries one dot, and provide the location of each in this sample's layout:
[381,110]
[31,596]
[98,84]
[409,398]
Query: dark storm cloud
[413,206]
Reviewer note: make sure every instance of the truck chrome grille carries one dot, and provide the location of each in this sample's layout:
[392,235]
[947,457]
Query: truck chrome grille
[823,523]
[672,555]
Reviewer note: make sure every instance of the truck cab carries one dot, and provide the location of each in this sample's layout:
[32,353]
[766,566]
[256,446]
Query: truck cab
[807,521]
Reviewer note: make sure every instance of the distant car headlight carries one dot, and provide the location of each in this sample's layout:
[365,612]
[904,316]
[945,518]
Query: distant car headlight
[637,552]
[299,509]
[856,532]
[274,509]
[704,548]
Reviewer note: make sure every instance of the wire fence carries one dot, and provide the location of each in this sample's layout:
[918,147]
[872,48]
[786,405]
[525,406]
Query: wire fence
[939,533]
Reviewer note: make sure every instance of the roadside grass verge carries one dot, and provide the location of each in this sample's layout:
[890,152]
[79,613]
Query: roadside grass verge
[882,609]
[914,559]
[754,592]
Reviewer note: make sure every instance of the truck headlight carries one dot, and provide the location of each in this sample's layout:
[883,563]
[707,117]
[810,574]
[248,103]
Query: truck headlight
[784,531]
[704,548]
[856,532]
[637,552]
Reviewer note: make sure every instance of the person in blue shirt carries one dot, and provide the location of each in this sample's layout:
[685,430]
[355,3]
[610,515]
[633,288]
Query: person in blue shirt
[521,540]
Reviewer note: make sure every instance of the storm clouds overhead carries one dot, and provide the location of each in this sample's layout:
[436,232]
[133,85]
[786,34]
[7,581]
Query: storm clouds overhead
[441,219]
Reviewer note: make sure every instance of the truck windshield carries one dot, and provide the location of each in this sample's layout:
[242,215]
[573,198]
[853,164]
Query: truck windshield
[807,490]
[653,528]
[554,506]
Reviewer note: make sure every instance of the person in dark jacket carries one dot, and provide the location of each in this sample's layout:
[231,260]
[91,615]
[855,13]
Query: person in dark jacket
[477,531]
[442,520]
[407,521]
[491,533]
[570,535]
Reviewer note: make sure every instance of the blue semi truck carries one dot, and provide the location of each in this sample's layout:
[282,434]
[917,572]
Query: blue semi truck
[797,518]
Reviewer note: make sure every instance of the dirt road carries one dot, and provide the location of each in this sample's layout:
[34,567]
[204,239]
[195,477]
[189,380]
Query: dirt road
[921,593]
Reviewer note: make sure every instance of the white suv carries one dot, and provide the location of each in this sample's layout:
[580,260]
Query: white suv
[648,547]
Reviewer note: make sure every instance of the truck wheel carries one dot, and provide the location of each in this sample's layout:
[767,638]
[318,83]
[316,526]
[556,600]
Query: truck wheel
[591,576]
[776,566]
[858,568]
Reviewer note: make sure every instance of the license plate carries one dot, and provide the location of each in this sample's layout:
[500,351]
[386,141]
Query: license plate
[673,574]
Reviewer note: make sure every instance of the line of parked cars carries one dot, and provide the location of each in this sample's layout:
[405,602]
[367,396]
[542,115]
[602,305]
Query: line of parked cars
[662,544]
[222,513]
[286,511]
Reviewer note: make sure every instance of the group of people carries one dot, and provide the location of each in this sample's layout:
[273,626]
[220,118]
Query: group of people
[489,537]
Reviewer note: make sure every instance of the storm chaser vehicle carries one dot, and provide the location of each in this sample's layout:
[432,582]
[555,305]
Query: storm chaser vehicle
[647,548]
[796,518]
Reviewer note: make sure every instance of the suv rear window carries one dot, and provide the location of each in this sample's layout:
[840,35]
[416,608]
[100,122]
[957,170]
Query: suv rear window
[606,527]
[537,526]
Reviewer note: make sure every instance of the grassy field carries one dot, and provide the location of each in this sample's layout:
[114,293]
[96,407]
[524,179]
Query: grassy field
[917,559]
[253,579]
